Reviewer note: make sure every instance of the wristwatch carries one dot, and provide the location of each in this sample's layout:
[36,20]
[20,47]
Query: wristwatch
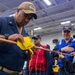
[6,36]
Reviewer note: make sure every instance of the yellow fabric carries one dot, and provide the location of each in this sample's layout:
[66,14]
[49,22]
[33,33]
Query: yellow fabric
[55,66]
[26,45]
[30,62]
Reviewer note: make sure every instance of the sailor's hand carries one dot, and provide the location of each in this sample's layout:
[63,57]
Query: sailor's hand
[61,56]
[15,37]
[72,54]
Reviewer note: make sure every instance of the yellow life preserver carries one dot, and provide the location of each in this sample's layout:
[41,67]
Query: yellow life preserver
[55,66]
[26,45]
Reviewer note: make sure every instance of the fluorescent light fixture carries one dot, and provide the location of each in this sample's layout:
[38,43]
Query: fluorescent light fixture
[47,2]
[37,28]
[65,22]
[72,24]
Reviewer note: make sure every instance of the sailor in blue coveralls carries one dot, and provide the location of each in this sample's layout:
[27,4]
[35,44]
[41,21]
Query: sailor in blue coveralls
[47,56]
[69,66]
[66,32]
[12,28]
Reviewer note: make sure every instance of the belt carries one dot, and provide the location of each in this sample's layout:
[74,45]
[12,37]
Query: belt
[9,71]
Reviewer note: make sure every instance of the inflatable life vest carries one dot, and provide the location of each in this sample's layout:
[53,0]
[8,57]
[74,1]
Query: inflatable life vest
[38,60]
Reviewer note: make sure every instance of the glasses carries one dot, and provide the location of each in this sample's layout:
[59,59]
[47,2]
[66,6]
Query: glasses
[28,16]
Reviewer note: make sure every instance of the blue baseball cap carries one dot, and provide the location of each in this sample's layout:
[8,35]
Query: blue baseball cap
[67,28]
[36,37]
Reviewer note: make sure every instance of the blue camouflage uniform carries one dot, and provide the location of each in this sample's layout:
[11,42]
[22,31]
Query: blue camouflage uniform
[62,43]
[11,56]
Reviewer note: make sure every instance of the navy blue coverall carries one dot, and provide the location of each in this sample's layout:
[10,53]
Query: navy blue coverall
[11,56]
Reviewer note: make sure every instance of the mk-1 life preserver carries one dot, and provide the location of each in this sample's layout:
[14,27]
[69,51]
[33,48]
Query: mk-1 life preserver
[38,60]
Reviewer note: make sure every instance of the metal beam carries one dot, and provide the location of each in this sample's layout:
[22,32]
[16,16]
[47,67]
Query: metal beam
[67,0]
[67,12]
[42,4]
[55,6]
[54,2]
[54,23]
[4,5]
